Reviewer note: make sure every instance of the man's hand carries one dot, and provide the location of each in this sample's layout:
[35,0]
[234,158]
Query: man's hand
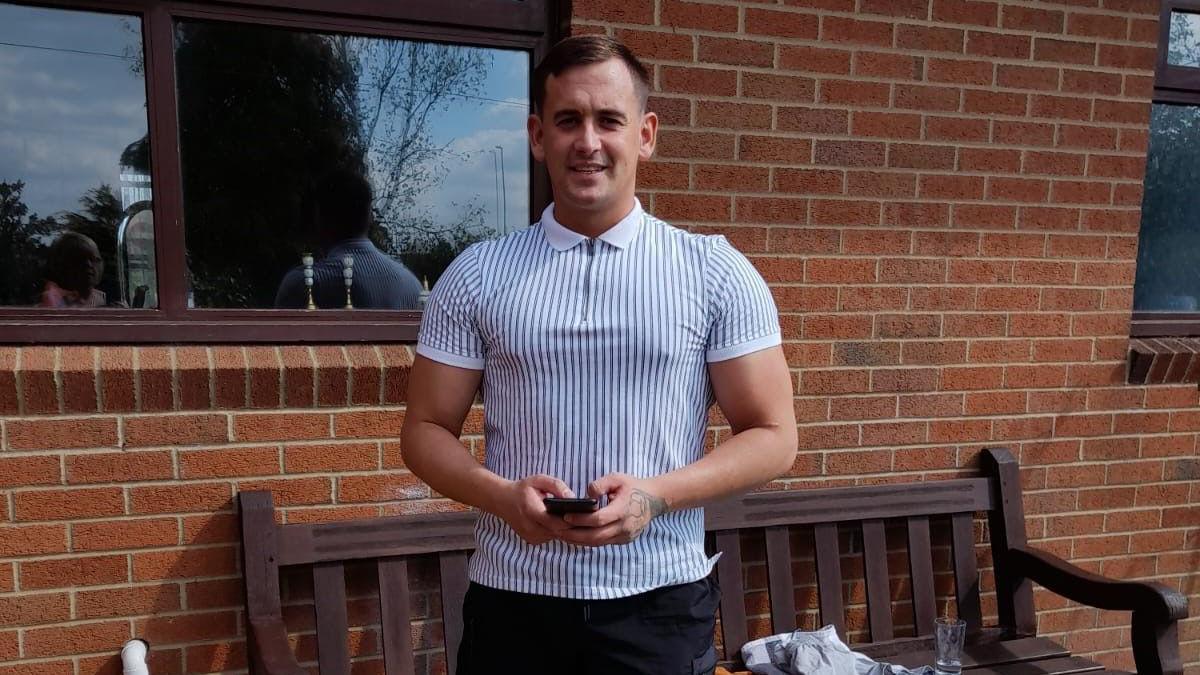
[521,507]
[631,507]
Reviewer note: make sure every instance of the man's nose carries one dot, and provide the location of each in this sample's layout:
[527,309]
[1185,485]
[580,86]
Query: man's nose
[587,141]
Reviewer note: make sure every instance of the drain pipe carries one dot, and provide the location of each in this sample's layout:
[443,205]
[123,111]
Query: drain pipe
[133,657]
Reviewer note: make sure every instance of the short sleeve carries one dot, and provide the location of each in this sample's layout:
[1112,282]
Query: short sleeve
[743,318]
[449,332]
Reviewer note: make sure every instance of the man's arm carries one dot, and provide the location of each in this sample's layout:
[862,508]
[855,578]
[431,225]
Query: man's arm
[439,398]
[755,394]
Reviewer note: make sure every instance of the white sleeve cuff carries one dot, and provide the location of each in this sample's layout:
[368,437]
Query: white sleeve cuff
[449,359]
[743,348]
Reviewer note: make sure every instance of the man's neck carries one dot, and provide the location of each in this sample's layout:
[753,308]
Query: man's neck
[591,223]
[329,243]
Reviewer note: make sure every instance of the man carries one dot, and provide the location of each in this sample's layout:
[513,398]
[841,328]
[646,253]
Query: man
[74,268]
[601,336]
[343,215]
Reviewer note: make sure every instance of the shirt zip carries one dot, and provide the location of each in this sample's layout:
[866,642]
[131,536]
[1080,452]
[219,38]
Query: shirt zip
[587,281]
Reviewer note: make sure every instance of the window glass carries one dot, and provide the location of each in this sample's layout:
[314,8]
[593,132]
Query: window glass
[1168,278]
[75,225]
[375,160]
[1183,47]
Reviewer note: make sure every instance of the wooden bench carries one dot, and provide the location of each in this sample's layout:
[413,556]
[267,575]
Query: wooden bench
[761,530]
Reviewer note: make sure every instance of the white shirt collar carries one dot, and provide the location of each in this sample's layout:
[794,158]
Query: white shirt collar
[619,235]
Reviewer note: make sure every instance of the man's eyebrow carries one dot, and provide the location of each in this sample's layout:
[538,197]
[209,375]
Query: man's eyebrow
[612,112]
[615,113]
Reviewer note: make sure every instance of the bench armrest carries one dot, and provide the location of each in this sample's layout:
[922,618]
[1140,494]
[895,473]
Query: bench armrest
[270,652]
[1093,590]
[1156,608]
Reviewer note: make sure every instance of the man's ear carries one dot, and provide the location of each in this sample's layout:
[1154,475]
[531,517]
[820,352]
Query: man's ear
[534,126]
[649,135]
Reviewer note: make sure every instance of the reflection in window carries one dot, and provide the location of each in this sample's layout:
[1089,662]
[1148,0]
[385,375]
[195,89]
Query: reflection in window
[74,158]
[1183,46]
[280,130]
[1168,277]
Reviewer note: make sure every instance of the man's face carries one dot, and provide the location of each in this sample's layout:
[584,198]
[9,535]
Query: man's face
[590,134]
[86,268]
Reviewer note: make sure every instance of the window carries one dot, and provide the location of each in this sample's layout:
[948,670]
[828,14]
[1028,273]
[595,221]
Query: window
[255,172]
[72,128]
[266,113]
[1167,285]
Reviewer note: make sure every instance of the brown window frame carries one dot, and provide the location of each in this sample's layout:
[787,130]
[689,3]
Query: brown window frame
[533,25]
[1178,85]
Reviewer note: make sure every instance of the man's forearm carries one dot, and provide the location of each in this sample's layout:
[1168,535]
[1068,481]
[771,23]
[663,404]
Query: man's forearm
[745,461]
[437,457]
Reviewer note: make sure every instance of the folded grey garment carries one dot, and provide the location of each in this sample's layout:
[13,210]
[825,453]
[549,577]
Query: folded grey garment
[819,652]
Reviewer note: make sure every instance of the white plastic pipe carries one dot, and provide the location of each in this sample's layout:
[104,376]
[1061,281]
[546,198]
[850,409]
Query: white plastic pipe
[133,657]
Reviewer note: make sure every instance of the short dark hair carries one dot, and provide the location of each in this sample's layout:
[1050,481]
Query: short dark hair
[67,259]
[343,201]
[581,50]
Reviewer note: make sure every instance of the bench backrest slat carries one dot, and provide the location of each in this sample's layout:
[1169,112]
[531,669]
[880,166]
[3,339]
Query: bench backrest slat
[781,584]
[966,573]
[829,576]
[453,567]
[875,568]
[733,603]
[329,596]
[394,617]
[390,536]
[920,569]
[835,505]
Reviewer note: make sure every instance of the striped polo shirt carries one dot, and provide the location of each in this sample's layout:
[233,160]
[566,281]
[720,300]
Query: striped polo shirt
[594,355]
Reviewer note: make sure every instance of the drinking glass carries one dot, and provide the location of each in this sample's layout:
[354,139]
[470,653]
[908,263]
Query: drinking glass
[950,634]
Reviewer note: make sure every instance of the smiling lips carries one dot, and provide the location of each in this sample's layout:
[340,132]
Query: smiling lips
[588,168]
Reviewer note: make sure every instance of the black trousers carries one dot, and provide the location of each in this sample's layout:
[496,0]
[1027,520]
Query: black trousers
[667,631]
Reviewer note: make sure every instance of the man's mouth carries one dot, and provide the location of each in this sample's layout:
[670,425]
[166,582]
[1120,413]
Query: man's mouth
[588,168]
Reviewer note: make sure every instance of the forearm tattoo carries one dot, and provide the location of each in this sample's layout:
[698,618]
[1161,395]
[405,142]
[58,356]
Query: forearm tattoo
[644,507]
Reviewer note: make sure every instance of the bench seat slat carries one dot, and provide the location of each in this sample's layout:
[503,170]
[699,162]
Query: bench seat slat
[829,576]
[396,624]
[920,569]
[329,596]
[1059,666]
[779,576]
[919,652]
[879,595]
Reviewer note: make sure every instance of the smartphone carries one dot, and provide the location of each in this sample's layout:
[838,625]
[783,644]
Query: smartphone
[562,505]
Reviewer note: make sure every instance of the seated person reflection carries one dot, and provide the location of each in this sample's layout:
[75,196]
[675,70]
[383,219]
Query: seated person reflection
[343,216]
[73,270]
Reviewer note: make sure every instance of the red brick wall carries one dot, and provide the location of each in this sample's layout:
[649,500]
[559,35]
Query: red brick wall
[944,195]
[118,473]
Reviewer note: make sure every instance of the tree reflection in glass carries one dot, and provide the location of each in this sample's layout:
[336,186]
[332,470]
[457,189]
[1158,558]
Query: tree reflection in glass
[1183,46]
[265,112]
